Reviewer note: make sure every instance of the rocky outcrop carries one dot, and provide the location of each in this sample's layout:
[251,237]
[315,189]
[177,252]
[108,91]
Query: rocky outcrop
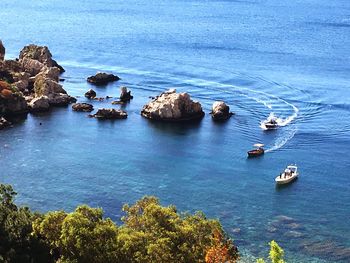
[90,94]
[172,106]
[125,95]
[220,111]
[110,114]
[2,51]
[86,107]
[102,78]
[12,102]
[30,83]
[39,104]
[44,85]
[4,123]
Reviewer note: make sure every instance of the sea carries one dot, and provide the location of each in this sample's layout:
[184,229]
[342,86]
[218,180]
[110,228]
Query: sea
[288,58]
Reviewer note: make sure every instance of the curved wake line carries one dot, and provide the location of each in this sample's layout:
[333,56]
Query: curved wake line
[280,142]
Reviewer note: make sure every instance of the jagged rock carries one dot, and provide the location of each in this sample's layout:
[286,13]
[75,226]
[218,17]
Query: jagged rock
[82,107]
[172,106]
[32,66]
[110,114]
[12,103]
[125,95]
[55,64]
[102,78]
[12,66]
[4,123]
[44,86]
[39,53]
[39,104]
[2,51]
[90,94]
[220,111]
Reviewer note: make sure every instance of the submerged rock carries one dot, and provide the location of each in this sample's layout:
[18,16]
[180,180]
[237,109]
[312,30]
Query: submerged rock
[172,106]
[90,94]
[220,111]
[86,107]
[125,95]
[110,114]
[39,104]
[102,78]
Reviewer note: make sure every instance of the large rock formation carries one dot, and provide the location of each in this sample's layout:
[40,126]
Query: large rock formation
[102,78]
[110,114]
[172,106]
[125,95]
[41,54]
[86,107]
[220,111]
[34,75]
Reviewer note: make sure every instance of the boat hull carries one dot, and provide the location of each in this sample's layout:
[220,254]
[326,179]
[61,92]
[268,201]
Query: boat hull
[288,180]
[255,153]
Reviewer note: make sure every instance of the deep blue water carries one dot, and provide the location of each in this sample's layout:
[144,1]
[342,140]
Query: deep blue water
[260,56]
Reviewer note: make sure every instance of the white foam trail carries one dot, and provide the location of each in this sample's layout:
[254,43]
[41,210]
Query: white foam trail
[281,141]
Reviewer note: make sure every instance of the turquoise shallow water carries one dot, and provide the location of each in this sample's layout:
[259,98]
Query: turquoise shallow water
[290,58]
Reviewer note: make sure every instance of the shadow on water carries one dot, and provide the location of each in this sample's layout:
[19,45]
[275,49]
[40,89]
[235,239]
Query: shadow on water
[175,128]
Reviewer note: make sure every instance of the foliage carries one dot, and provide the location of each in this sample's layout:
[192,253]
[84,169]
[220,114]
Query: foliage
[153,233]
[16,242]
[276,253]
[150,233]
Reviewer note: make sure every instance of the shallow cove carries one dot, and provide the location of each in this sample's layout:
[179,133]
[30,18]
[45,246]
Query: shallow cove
[257,56]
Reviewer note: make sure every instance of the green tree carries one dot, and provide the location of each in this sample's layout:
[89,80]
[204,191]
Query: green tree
[276,253]
[153,233]
[80,236]
[16,242]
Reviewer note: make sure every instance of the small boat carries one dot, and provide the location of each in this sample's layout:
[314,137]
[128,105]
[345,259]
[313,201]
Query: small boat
[258,151]
[270,123]
[288,175]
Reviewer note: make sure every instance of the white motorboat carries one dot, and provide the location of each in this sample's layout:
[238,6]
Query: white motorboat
[270,123]
[289,175]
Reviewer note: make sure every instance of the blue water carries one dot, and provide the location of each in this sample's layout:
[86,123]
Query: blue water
[260,56]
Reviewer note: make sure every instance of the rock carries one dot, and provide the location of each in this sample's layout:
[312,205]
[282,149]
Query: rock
[32,66]
[172,106]
[39,53]
[46,86]
[12,103]
[2,51]
[110,114]
[102,78]
[220,111]
[55,64]
[90,94]
[3,122]
[39,104]
[117,102]
[86,107]
[125,95]
[12,66]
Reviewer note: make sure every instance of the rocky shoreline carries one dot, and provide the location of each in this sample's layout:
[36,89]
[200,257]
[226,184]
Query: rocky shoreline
[31,83]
